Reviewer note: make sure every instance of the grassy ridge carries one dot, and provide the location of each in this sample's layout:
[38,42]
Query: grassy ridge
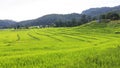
[93,45]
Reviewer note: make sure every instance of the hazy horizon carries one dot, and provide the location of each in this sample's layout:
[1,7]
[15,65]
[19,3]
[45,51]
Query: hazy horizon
[20,10]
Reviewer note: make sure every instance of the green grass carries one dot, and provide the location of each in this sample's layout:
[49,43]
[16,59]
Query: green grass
[92,45]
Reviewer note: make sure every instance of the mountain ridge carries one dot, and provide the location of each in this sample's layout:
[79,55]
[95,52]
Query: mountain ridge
[52,18]
[101,10]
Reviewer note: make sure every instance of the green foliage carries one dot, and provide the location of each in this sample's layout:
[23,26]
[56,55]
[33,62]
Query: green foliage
[92,45]
[113,16]
[74,22]
[103,16]
[110,15]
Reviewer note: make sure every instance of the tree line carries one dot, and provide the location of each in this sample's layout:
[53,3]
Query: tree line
[85,19]
[110,16]
[74,22]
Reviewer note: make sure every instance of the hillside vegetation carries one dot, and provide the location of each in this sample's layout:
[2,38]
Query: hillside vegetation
[92,45]
[62,20]
[101,10]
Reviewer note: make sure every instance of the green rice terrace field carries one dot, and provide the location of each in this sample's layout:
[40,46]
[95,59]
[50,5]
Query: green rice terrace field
[92,45]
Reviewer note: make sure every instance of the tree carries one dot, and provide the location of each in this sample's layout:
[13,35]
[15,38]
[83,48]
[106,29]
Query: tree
[103,16]
[17,26]
[113,16]
[60,23]
[74,22]
[84,19]
[89,18]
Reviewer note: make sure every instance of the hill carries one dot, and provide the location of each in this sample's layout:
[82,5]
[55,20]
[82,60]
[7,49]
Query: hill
[7,23]
[50,19]
[95,24]
[98,11]
[112,27]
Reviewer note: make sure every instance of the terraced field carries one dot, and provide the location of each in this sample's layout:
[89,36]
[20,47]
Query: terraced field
[88,46]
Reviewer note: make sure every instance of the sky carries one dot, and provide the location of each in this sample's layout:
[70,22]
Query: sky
[19,10]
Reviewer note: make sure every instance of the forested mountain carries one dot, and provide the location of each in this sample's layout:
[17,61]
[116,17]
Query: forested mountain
[50,19]
[64,19]
[7,23]
[53,18]
[98,11]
